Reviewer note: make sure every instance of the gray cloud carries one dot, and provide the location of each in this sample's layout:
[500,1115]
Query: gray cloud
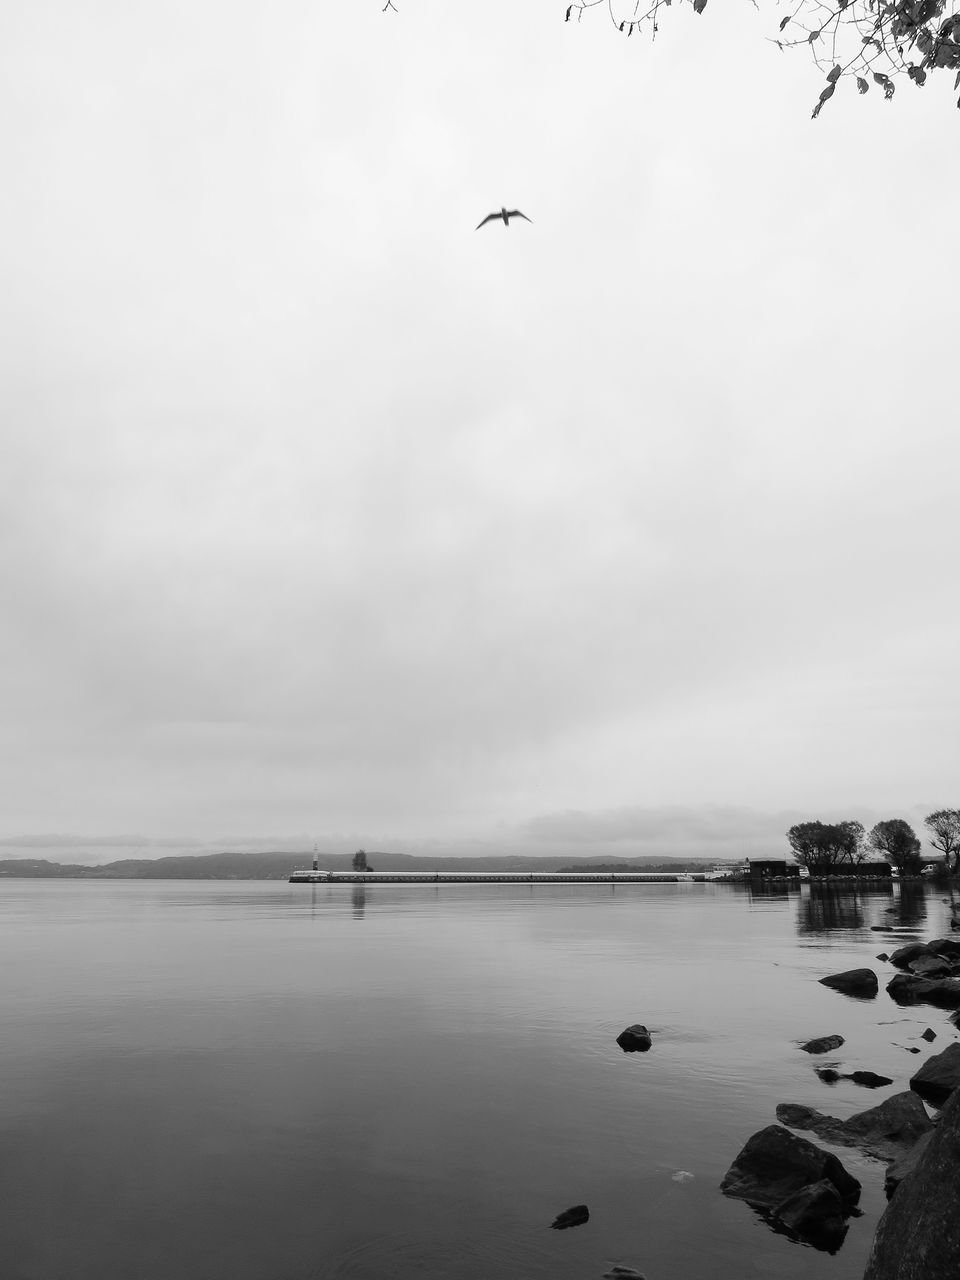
[321,512]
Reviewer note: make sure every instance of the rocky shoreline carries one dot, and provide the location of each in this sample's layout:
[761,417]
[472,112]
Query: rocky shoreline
[805,1192]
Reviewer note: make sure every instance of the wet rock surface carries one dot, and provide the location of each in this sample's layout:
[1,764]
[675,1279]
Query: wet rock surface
[824,1044]
[854,982]
[939,1076]
[919,1234]
[885,1131]
[816,1214]
[799,1187]
[573,1217]
[635,1039]
[909,988]
[904,1164]
[775,1164]
[867,1079]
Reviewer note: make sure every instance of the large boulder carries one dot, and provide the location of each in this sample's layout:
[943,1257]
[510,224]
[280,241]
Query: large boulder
[939,1076]
[823,1044]
[884,1131]
[775,1164]
[904,1164]
[854,982]
[919,1234]
[635,1039]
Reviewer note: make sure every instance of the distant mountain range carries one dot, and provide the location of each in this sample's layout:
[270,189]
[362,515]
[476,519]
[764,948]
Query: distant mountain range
[279,865]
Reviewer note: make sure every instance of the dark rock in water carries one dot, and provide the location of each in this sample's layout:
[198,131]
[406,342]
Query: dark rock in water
[574,1217]
[938,1077]
[904,1165]
[929,1034]
[947,947]
[635,1039]
[853,982]
[883,1131]
[775,1164]
[868,1079]
[910,1048]
[883,956]
[823,1045]
[907,988]
[930,967]
[912,951]
[919,1234]
[815,1212]
[622,1273]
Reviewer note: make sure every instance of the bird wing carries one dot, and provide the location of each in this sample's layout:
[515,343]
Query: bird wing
[515,213]
[486,219]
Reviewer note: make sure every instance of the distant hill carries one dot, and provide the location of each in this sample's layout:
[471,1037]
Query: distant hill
[279,865]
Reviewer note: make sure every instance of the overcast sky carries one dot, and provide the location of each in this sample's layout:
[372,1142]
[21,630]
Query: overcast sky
[322,512]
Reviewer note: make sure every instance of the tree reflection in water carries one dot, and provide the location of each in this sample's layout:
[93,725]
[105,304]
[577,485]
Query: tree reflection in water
[910,903]
[825,907]
[359,900]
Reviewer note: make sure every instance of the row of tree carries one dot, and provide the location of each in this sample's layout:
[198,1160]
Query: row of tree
[824,847]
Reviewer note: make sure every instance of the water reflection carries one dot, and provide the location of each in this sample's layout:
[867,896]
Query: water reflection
[910,905]
[823,908]
[358,899]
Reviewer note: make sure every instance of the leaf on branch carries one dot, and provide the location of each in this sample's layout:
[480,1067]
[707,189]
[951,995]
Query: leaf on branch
[886,84]
[699,6]
[917,75]
[825,96]
[834,75]
[862,85]
[785,21]
[814,35]
[956,83]
[569,11]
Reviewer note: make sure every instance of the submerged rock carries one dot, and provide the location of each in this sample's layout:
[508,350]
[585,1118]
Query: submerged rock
[635,1039]
[939,1076]
[775,1164]
[853,982]
[823,1045]
[884,1131]
[622,1273]
[918,1237]
[574,1217]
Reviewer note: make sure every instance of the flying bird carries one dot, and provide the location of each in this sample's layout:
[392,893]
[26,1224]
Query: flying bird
[506,215]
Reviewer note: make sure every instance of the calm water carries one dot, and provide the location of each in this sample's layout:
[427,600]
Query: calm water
[265,1081]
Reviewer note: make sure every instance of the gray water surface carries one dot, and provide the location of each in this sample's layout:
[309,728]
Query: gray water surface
[265,1081]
